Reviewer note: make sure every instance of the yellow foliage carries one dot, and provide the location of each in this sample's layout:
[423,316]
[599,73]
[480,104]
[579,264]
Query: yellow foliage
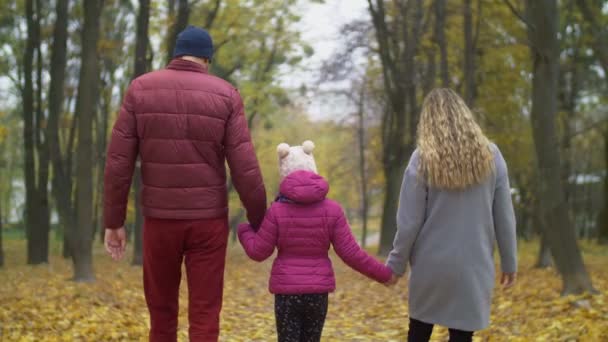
[3,133]
[39,304]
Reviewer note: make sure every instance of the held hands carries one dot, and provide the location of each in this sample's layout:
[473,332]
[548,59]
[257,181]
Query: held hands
[507,280]
[392,282]
[115,241]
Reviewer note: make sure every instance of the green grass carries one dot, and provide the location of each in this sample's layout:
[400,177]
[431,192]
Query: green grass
[13,233]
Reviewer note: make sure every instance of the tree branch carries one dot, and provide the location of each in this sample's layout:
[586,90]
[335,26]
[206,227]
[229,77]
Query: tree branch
[213,14]
[598,34]
[477,24]
[518,14]
[590,127]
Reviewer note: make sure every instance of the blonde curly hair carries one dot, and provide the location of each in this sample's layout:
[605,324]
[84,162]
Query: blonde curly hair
[454,152]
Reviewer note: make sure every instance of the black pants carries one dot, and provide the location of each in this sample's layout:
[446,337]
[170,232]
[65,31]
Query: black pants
[300,318]
[421,332]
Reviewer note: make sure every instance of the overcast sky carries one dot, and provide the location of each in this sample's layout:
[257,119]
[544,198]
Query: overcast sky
[320,27]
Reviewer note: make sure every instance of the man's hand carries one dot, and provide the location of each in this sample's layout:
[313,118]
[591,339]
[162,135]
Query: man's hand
[507,280]
[393,281]
[116,241]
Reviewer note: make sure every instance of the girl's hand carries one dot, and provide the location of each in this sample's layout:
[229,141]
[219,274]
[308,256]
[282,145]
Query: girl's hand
[392,282]
[507,280]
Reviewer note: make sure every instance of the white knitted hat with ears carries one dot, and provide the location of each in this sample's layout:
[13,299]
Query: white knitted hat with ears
[296,158]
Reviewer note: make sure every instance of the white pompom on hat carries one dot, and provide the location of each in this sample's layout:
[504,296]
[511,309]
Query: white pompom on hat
[296,158]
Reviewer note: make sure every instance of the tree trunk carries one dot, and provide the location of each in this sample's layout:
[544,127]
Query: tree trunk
[183,13]
[602,222]
[568,95]
[394,177]
[469,54]
[234,223]
[431,71]
[440,15]
[29,165]
[544,259]
[544,254]
[599,33]
[140,67]
[171,7]
[398,35]
[401,140]
[588,210]
[55,98]
[82,237]
[212,15]
[62,191]
[544,46]
[362,165]
[102,132]
[1,242]
[141,43]
[41,252]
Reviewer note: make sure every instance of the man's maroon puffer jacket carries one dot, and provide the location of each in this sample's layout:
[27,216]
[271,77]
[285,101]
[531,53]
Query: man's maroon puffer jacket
[184,124]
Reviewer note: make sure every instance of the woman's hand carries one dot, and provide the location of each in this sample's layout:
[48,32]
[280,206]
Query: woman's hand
[507,280]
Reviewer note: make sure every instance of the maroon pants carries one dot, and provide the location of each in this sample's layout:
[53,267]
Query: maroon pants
[202,243]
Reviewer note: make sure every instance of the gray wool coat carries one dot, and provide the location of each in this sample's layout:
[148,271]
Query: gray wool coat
[448,239]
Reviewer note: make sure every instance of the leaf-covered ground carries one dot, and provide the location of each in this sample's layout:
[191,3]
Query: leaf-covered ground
[39,304]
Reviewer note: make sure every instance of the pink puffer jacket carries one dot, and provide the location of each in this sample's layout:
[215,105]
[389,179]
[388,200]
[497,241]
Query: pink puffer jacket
[302,227]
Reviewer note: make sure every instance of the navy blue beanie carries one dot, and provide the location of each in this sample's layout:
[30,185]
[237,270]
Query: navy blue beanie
[193,41]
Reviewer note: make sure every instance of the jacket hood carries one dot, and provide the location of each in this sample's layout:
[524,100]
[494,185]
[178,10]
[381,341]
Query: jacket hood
[304,187]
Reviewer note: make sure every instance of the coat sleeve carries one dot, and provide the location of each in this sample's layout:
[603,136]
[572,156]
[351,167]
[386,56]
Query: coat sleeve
[504,217]
[120,162]
[259,245]
[353,255]
[410,217]
[243,163]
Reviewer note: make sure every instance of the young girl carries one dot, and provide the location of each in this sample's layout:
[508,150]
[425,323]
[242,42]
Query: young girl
[455,203]
[302,224]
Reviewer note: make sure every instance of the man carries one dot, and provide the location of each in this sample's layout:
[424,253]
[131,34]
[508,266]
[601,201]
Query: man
[184,124]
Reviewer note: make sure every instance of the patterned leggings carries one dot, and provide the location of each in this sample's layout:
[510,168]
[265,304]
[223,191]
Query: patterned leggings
[300,318]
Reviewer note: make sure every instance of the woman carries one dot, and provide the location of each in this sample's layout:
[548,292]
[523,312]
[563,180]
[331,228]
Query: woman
[455,202]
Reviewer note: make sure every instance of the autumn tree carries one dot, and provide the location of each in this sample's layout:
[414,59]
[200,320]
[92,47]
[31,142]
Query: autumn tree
[1,242]
[440,39]
[351,62]
[140,67]
[603,216]
[471,35]
[398,31]
[61,180]
[37,211]
[542,18]
[363,174]
[114,43]
[28,126]
[2,166]
[86,103]
[592,12]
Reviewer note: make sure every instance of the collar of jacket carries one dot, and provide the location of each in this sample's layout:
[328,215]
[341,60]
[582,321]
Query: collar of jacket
[182,64]
[283,199]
